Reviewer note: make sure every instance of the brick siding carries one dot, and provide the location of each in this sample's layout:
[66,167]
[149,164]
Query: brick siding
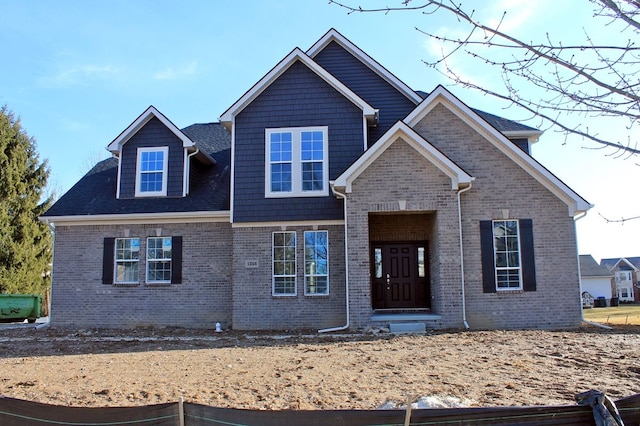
[80,299]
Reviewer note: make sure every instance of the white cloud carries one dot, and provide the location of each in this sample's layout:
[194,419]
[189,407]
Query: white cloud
[172,73]
[79,75]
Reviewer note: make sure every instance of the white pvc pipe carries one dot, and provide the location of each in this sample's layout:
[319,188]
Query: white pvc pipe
[346,266]
[464,304]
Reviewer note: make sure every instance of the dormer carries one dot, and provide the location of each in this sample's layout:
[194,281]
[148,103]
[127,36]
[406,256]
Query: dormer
[154,158]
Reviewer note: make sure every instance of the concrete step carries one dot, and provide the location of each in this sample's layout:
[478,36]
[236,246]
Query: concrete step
[408,327]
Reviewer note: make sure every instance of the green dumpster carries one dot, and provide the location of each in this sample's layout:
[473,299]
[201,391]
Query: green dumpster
[19,307]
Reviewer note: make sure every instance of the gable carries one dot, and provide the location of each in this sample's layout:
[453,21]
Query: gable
[154,135]
[295,56]
[392,104]
[401,132]
[441,98]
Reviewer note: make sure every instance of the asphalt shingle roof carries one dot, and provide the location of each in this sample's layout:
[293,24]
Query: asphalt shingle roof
[611,262]
[95,192]
[590,268]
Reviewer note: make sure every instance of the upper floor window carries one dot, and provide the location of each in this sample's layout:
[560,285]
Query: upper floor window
[151,174]
[296,162]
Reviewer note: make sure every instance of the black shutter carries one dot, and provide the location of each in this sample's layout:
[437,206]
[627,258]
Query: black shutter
[488,262]
[176,260]
[527,255]
[107,260]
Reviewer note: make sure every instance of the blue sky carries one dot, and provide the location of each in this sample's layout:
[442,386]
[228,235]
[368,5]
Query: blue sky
[78,72]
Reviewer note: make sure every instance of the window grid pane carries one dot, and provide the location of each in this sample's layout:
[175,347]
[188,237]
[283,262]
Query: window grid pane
[284,263]
[151,171]
[506,245]
[127,258]
[316,268]
[159,260]
[312,156]
[296,162]
[281,155]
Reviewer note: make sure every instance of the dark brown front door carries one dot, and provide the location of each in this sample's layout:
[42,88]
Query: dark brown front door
[400,276]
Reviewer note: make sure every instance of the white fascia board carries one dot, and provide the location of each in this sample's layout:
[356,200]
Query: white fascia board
[296,55]
[138,218]
[624,259]
[441,96]
[531,135]
[288,225]
[139,122]
[334,35]
[459,178]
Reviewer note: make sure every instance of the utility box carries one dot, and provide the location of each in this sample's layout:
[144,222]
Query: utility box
[19,307]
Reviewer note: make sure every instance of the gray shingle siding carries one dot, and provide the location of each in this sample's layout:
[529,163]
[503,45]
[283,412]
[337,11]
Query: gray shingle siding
[392,104]
[153,134]
[298,98]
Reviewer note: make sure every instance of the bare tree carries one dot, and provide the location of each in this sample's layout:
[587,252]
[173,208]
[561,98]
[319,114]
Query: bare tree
[586,80]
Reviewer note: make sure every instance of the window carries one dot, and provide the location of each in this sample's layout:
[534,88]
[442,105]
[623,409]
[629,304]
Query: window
[623,276]
[151,176]
[159,260]
[296,162]
[127,258]
[284,264]
[316,263]
[506,246]
[508,260]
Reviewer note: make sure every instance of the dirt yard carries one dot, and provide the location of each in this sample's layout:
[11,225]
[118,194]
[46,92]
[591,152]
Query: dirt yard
[311,371]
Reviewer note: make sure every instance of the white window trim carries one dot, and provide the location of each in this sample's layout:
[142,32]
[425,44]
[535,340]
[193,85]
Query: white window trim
[116,261]
[496,267]
[165,172]
[306,293]
[295,274]
[148,262]
[296,163]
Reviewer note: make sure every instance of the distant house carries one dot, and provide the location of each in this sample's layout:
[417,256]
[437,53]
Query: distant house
[596,279]
[625,270]
[329,196]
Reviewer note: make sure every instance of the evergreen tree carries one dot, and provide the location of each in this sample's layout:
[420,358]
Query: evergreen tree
[25,242]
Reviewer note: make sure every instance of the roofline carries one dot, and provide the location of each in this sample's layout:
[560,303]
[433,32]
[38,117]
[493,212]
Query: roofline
[295,55]
[139,122]
[459,178]
[334,35]
[440,95]
[625,260]
[139,218]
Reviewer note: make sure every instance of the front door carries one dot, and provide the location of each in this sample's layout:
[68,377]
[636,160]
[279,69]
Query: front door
[400,276]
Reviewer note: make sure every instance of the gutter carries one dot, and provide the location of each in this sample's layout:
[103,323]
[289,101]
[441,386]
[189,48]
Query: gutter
[464,305]
[187,172]
[586,321]
[346,264]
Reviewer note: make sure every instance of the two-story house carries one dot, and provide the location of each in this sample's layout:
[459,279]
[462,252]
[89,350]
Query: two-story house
[625,274]
[329,196]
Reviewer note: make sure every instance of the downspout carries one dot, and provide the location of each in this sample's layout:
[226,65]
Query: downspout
[346,264]
[464,304]
[187,169]
[595,324]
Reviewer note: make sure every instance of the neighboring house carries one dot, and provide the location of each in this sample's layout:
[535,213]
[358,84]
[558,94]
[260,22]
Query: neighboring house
[596,279]
[330,196]
[625,270]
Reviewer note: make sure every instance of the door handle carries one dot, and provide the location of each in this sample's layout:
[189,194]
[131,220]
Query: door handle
[388,282]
